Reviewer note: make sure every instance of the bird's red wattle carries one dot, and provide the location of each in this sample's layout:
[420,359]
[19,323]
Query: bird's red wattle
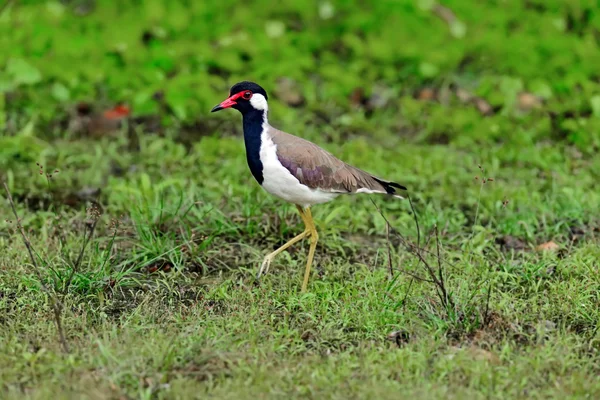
[231,100]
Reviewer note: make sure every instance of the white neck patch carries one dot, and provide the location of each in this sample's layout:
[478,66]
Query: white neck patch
[259,102]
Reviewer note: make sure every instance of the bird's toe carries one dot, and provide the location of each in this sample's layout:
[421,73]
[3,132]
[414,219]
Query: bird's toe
[264,267]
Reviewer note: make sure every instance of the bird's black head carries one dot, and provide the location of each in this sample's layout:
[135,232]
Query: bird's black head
[245,97]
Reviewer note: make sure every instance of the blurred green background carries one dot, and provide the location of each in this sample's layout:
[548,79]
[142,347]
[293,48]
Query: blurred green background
[356,64]
[511,84]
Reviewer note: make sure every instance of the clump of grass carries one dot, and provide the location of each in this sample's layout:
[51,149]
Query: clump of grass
[464,313]
[43,268]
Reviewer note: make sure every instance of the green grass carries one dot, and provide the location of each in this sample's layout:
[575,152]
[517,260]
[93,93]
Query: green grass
[164,303]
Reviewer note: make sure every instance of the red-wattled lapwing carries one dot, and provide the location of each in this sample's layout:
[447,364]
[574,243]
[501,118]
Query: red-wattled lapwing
[294,169]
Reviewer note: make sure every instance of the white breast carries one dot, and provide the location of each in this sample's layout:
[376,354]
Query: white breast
[278,181]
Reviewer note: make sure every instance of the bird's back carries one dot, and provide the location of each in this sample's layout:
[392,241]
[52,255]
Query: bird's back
[319,169]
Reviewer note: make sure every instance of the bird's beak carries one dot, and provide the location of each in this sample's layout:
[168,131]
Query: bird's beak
[225,104]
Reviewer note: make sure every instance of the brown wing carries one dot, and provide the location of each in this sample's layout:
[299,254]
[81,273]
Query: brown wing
[319,169]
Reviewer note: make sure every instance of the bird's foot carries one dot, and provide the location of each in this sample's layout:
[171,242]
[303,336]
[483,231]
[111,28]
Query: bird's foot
[264,267]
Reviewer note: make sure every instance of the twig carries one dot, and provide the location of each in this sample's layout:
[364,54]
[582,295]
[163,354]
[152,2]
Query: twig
[487,306]
[440,269]
[407,293]
[428,240]
[56,305]
[23,235]
[436,279]
[434,274]
[405,242]
[86,238]
[439,285]
[389,250]
[412,207]
[476,216]
[417,277]
[110,247]
[75,265]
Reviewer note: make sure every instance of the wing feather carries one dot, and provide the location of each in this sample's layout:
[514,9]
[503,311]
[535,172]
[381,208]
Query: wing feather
[319,169]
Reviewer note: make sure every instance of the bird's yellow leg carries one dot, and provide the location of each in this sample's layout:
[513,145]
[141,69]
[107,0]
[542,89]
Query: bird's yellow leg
[269,257]
[314,237]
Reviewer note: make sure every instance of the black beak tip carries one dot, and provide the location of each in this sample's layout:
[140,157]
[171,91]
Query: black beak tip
[216,108]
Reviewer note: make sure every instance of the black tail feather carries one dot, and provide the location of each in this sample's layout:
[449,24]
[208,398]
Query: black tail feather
[390,187]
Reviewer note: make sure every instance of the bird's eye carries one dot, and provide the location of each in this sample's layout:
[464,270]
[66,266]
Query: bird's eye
[247,95]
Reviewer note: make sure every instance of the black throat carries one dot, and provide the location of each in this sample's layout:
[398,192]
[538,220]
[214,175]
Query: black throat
[253,127]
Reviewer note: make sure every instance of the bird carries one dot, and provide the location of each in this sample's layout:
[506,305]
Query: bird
[294,169]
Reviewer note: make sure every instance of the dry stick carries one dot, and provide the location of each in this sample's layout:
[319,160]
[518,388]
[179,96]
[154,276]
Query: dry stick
[440,273]
[487,305]
[86,238]
[412,207]
[56,306]
[110,247]
[402,239]
[440,269]
[419,278]
[428,238]
[439,280]
[407,293]
[476,216]
[406,243]
[389,250]
[440,286]
[415,251]
[75,265]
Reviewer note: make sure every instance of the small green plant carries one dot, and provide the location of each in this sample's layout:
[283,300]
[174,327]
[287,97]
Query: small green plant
[460,310]
[44,269]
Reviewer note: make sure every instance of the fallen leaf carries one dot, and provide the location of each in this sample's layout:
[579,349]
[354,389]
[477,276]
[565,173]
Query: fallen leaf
[483,106]
[528,101]
[426,94]
[548,246]
[160,265]
[480,103]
